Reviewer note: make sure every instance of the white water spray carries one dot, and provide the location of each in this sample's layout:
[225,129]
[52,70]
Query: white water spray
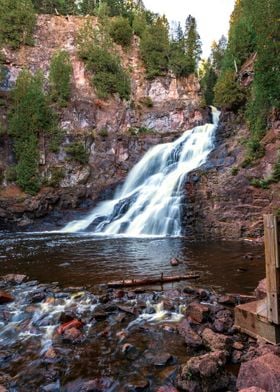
[149,203]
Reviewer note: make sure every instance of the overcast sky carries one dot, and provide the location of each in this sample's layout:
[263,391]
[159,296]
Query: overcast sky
[212,16]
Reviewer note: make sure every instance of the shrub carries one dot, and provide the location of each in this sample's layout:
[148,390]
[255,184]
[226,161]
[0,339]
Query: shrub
[228,94]
[109,77]
[139,24]
[234,171]
[260,183]
[56,175]
[78,152]
[121,31]
[17,21]
[56,138]
[147,101]
[11,173]
[60,77]
[103,132]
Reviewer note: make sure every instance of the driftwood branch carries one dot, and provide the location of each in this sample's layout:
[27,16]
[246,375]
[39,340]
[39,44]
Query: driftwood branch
[148,281]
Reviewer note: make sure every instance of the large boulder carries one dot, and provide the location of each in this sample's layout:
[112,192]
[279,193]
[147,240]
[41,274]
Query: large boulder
[262,372]
[216,341]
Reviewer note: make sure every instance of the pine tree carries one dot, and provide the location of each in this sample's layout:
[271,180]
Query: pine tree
[192,44]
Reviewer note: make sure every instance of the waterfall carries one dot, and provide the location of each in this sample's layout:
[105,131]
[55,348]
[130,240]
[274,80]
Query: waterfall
[150,201]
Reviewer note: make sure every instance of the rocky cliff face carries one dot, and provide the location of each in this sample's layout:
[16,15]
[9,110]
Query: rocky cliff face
[163,108]
[221,203]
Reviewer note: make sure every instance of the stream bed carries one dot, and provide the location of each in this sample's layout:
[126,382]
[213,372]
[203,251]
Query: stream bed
[63,330]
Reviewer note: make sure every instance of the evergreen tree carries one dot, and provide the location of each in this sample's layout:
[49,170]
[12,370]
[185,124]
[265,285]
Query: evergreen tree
[217,53]
[178,60]
[192,44]
[155,48]
[17,21]
[63,7]
[29,116]
[60,77]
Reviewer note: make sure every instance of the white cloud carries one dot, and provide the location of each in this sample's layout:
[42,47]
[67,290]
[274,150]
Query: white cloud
[212,16]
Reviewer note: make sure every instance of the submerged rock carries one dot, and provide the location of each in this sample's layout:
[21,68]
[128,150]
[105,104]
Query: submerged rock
[5,297]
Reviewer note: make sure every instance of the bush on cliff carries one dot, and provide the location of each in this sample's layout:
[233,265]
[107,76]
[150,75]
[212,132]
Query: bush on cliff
[121,31]
[60,77]
[17,22]
[228,93]
[109,77]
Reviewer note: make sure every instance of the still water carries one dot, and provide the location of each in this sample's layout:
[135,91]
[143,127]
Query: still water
[83,260]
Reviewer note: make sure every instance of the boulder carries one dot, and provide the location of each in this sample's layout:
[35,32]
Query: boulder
[223,320]
[262,372]
[216,341]
[204,373]
[71,324]
[14,278]
[5,297]
[197,312]
[192,339]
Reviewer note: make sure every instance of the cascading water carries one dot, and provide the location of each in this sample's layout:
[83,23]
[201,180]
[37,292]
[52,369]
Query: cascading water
[150,201]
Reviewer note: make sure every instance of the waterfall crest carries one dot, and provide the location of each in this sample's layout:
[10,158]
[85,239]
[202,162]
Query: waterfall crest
[150,200]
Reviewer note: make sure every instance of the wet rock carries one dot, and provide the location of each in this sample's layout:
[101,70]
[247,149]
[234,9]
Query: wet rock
[128,309]
[174,262]
[192,339]
[99,315]
[66,317]
[50,354]
[238,346]
[260,291]
[73,335]
[263,372]
[197,312]
[14,278]
[204,373]
[162,359]
[167,388]
[53,387]
[5,297]
[236,356]
[98,385]
[216,341]
[71,324]
[137,385]
[37,297]
[252,389]
[223,321]
[226,300]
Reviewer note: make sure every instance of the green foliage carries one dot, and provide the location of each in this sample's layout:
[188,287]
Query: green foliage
[192,44]
[139,24]
[121,31]
[147,101]
[228,93]
[56,138]
[29,116]
[11,174]
[154,47]
[63,7]
[208,81]
[17,21]
[259,183]
[109,77]
[60,77]
[56,175]
[103,132]
[234,171]
[78,152]
[139,131]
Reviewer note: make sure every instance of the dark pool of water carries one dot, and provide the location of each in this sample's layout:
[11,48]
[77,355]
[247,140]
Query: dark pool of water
[83,260]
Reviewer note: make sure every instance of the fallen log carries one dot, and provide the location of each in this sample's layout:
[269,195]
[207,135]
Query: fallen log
[148,281]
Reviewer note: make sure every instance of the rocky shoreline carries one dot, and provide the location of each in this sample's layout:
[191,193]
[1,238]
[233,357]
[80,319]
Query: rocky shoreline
[54,339]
